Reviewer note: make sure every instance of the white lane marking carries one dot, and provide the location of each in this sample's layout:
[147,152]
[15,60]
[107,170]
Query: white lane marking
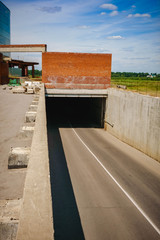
[130,198]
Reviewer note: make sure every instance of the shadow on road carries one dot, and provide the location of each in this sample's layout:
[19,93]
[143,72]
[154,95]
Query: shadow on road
[67,224]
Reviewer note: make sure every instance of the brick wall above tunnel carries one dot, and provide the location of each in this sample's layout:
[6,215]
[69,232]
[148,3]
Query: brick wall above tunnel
[76,70]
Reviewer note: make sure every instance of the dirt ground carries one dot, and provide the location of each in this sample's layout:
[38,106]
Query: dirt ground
[12,116]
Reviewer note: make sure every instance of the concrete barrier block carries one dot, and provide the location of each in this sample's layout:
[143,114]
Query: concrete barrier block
[36,98]
[18,157]
[37,89]
[30,116]
[27,131]
[34,102]
[8,231]
[33,108]
[30,91]
[18,90]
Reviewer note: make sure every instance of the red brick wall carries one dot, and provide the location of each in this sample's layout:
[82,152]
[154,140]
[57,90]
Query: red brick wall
[76,70]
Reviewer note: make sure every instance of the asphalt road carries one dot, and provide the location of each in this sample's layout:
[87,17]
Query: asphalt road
[102,188]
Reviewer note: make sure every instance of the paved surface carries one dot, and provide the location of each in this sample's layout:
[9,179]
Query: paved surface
[88,203]
[12,116]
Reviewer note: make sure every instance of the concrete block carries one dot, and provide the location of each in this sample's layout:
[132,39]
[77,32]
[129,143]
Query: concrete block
[37,89]
[36,98]
[33,108]
[27,131]
[8,231]
[30,116]
[30,91]
[18,90]
[18,157]
[122,86]
[34,102]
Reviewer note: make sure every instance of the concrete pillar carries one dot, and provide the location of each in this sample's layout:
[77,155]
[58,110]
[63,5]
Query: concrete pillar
[26,71]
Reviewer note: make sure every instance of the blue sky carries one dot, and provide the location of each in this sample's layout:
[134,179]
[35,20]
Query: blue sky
[129,29]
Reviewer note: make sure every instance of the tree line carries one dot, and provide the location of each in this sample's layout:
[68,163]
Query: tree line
[113,74]
[133,74]
[37,73]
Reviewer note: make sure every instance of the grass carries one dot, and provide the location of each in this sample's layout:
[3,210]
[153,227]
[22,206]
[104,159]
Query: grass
[137,84]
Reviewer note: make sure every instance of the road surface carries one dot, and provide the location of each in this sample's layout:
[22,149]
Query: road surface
[102,189]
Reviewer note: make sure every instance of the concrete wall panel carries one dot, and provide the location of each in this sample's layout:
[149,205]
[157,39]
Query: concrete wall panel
[135,119]
[76,70]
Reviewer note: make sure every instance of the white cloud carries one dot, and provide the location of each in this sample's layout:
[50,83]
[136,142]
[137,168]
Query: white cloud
[83,27]
[50,9]
[115,37]
[108,6]
[133,6]
[103,13]
[139,15]
[68,31]
[99,50]
[114,13]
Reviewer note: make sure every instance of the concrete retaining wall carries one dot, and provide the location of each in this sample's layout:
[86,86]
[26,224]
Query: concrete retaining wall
[36,221]
[134,119]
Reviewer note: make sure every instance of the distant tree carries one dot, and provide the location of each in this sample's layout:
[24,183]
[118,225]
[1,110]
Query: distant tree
[37,72]
[128,74]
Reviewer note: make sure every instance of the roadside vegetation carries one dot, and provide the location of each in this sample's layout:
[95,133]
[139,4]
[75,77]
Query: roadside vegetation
[37,73]
[144,83]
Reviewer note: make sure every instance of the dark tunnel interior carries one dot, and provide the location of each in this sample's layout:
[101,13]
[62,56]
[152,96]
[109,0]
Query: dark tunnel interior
[80,112]
[67,113]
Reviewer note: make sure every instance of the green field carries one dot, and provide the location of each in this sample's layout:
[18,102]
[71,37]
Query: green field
[144,85]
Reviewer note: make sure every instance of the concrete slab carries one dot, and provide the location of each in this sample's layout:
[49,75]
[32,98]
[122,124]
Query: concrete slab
[30,116]
[18,157]
[24,48]
[18,90]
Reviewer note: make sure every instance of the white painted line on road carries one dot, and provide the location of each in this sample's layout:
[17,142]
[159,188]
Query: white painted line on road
[129,197]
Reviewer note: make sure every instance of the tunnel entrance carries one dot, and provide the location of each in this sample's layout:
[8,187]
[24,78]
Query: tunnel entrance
[81,112]
[62,113]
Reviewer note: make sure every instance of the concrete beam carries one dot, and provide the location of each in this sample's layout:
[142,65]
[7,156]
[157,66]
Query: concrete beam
[76,92]
[24,48]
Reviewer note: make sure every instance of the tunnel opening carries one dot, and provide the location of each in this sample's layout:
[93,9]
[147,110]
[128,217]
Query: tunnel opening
[78,112]
[67,113]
